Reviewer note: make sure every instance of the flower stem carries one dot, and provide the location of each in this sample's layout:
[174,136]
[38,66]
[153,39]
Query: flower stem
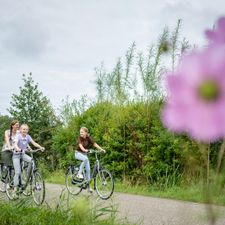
[220,156]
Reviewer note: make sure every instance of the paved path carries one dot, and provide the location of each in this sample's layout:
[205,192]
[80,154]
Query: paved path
[144,210]
[151,211]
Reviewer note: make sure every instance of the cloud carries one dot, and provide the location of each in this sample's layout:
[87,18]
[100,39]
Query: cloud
[61,42]
[22,34]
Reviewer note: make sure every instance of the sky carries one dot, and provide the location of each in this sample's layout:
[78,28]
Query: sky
[62,41]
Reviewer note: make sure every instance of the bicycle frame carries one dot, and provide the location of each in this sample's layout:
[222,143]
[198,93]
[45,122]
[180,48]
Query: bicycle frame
[96,167]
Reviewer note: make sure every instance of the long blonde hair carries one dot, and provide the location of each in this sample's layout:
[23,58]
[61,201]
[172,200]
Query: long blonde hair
[85,130]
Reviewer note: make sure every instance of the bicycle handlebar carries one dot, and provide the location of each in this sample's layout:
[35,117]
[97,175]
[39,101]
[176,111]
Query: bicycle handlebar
[9,150]
[35,150]
[96,151]
[28,150]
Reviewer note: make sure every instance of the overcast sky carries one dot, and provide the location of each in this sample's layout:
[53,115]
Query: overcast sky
[61,42]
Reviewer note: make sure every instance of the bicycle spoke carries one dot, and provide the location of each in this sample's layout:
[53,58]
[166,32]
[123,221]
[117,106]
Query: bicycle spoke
[104,184]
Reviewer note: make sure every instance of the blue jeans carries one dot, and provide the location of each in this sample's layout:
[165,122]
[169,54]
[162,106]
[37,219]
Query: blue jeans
[17,167]
[85,164]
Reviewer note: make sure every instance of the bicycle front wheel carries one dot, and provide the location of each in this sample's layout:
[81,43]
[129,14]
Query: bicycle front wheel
[2,181]
[104,184]
[38,188]
[72,184]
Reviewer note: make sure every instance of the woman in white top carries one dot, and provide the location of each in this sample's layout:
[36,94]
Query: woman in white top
[9,142]
[7,149]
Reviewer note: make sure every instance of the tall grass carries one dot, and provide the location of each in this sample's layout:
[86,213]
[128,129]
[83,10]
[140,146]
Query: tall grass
[68,210]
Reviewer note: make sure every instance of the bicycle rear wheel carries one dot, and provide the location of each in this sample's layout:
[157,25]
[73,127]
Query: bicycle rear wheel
[104,184]
[38,188]
[73,185]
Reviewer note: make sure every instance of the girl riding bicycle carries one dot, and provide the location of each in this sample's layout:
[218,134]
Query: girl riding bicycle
[21,144]
[84,141]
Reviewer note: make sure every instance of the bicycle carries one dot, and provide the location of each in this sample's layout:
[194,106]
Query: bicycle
[31,181]
[103,179]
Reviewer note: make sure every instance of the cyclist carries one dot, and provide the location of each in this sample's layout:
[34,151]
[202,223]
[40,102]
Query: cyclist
[22,142]
[84,141]
[9,144]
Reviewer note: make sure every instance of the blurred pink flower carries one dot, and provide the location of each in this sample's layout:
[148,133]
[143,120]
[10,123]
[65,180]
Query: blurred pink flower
[196,95]
[217,36]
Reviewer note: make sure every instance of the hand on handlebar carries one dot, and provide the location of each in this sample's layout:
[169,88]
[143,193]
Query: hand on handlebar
[96,151]
[103,150]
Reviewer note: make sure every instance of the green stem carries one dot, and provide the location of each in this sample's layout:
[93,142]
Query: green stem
[220,156]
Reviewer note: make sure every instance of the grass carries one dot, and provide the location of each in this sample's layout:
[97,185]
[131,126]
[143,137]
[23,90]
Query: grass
[57,177]
[193,192]
[67,211]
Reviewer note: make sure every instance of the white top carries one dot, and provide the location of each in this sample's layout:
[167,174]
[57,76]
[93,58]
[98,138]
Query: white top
[12,141]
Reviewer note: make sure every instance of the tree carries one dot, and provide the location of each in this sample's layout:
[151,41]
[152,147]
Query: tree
[30,106]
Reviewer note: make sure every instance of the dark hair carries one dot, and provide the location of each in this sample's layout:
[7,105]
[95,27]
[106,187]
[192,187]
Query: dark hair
[11,127]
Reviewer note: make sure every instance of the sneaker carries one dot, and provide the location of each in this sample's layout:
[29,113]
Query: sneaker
[80,176]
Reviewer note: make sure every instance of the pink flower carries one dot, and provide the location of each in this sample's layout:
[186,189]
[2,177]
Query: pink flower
[217,36]
[196,95]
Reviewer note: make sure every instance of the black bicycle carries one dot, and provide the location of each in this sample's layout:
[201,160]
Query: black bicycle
[103,179]
[31,181]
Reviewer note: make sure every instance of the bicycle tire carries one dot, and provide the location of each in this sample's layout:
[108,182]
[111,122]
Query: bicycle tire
[38,188]
[2,183]
[104,184]
[73,186]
